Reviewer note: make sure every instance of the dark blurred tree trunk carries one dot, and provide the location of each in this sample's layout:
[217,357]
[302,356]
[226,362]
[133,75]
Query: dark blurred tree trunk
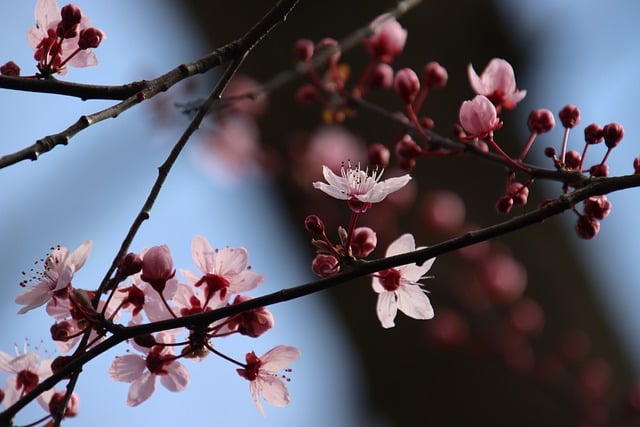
[409,381]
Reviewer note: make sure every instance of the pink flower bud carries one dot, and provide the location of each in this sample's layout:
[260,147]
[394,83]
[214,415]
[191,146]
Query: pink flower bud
[388,38]
[599,170]
[407,148]
[636,166]
[307,94]
[325,265]
[90,38]
[61,331]
[303,49]
[587,227]
[597,207]
[252,323]
[541,121]
[130,264]
[378,156]
[479,117]
[157,267]
[572,159]
[569,116]
[613,134]
[59,404]
[593,134]
[550,152]
[10,69]
[381,76]
[504,204]
[519,193]
[406,84]
[434,75]
[329,43]
[71,15]
[314,225]
[363,241]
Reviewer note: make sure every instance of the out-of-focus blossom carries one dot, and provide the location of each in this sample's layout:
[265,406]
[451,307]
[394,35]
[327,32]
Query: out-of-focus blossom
[398,287]
[498,83]
[263,378]
[28,370]
[388,38]
[52,399]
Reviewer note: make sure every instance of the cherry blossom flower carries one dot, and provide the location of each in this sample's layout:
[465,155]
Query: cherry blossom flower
[479,117]
[498,83]
[59,269]
[398,288]
[388,38]
[355,183]
[263,378]
[141,371]
[225,271]
[51,400]
[28,370]
[62,39]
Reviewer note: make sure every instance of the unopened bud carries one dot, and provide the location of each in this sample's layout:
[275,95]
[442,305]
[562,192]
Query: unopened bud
[572,159]
[541,121]
[593,134]
[613,134]
[314,225]
[434,75]
[586,227]
[519,193]
[10,69]
[504,204]
[569,116]
[146,340]
[378,156]
[599,170]
[597,207]
[303,49]
[406,84]
[90,38]
[130,264]
[363,241]
[325,265]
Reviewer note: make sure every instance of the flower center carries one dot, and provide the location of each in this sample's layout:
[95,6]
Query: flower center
[250,372]
[214,283]
[390,279]
[26,380]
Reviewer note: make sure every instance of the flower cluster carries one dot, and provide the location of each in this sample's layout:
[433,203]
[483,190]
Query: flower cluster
[59,38]
[145,289]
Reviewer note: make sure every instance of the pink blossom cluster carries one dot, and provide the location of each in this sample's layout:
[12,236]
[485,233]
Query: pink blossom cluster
[145,289]
[59,38]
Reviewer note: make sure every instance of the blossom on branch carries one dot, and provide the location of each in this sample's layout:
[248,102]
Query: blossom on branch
[59,268]
[398,287]
[62,37]
[141,370]
[225,271]
[479,117]
[263,378]
[498,83]
[355,184]
[28,370]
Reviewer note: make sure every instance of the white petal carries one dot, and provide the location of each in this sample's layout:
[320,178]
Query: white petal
[386,308]
[413,302]
[332,191]
[127,368]
[230,261]
[35,296]
[279,358]
[203,255]
[141,389]
[274,391]
[177,379]
[245,281]
[413,272]
[401,245]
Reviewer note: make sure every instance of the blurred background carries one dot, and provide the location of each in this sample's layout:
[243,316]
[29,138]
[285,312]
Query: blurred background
[561,352]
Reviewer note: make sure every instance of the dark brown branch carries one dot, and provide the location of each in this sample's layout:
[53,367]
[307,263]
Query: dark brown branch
[78,90]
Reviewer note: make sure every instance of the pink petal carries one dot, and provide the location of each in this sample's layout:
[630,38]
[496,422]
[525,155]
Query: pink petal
[47,13]
[476,83]
[177,379]
[230,261]
[11,393]
[203,255]
[274,391]
[34,297]
[127,368]
[279,358]
[141,389]
[377,286]
[387,308]
[414,272]
[245,281]
[413,302]
[254,389]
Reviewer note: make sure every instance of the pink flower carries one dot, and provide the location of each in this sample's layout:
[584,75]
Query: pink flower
[253,323]
[355,183]
[262,374]
[157,267]
[479,117]
[59,269]
[225,271]
[388,38]
[27,369]
[141,371]
[498,83]
[398,288]
[59,39]
[52,399]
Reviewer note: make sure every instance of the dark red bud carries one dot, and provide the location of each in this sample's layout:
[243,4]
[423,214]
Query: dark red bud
[572,159]
[593,134]
[541,121]
[378,156]
[586,227]
[314,225]
[90,38]
[303,49]
[569,116]
[10,69]
[434,75]
[613,134]
[599,170]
